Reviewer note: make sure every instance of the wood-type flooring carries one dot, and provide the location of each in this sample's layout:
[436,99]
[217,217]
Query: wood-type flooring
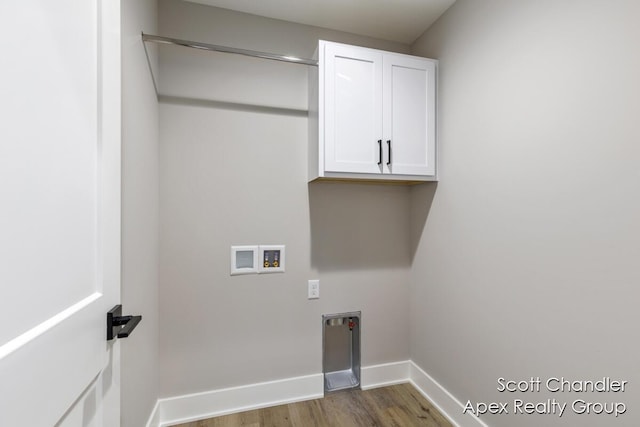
[394,406]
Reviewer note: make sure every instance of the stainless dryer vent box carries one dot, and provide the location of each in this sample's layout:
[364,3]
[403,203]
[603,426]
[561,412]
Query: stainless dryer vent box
[341,351]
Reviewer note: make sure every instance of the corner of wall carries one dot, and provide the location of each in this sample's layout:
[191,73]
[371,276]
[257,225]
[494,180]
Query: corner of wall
[140,216]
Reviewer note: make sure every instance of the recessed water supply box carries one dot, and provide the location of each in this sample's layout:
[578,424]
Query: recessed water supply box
[341,351]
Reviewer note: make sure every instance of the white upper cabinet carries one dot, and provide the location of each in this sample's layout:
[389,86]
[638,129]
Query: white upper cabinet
[353,109]
[371,115]
[409,115]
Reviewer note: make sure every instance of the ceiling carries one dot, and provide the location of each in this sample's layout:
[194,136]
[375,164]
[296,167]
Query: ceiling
[397,20]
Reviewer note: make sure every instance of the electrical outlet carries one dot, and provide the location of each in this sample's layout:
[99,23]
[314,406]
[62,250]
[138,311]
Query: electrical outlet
[314,289]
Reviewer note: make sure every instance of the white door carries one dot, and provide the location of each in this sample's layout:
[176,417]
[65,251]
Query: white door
[409,115]
[59,211]
[352,109]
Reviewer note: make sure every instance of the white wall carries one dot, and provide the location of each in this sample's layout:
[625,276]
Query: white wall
[234,171]
[223,77]
[139,216]
[527,264]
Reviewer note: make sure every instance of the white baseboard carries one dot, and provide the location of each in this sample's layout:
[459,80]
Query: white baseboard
[154,418]
[444,401]
[198,406]
[384,375]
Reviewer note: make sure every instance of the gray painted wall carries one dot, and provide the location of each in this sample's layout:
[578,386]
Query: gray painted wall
[139,383]
[527,264]
[234,171]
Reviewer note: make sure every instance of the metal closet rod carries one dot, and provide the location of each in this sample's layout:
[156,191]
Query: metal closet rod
[226,49]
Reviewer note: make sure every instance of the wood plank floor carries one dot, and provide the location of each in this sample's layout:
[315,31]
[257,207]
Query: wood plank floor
[398,406]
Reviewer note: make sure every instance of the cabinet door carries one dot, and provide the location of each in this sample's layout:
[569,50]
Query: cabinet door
[409,115]
[352,109]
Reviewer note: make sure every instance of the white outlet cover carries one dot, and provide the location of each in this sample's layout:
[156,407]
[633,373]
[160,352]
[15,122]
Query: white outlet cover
[244,260]
[313,289]
[272,259]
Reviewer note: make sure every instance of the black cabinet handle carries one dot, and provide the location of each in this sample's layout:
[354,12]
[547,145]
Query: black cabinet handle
[389,145]
[379,152]
[118,325]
